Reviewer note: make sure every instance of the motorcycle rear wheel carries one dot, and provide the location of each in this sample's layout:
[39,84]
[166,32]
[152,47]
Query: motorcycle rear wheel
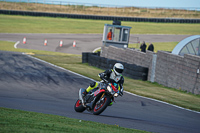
[78,107]
[100,107]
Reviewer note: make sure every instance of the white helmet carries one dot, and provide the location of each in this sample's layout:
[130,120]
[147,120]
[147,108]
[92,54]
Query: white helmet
[118,68]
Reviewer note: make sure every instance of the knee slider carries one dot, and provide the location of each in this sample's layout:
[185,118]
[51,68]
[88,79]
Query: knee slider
[93,84]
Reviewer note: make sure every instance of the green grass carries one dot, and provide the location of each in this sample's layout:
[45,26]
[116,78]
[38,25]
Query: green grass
[28,24]
[164,46]
[144,88]
[22,121]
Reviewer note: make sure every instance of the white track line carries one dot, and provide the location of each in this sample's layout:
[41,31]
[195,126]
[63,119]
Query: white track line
[58,67]
[15,46]
[96,49]
[162,102]
[124,91]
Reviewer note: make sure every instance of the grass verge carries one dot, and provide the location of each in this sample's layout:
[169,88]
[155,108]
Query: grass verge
[147,89]
[23,121]
[28,24]
[164,46]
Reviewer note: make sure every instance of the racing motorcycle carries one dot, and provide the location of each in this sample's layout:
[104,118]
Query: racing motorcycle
[97,100]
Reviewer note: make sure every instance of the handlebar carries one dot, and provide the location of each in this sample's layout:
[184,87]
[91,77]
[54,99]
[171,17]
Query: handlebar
[105,80]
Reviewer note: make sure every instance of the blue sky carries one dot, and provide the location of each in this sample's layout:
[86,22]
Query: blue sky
[186,4]
[143,3]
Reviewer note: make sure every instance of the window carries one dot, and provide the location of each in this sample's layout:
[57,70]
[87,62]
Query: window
[189,45]
[117,34]
[125,35]
[184,51]
[195,44]
[191,49]
[109,32]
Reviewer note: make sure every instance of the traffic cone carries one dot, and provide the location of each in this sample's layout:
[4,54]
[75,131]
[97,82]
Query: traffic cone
[74,44]
[61,43]
[45,42]
[24,40]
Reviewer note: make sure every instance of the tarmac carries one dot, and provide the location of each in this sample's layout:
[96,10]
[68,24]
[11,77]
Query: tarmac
[29,84]
[84,42]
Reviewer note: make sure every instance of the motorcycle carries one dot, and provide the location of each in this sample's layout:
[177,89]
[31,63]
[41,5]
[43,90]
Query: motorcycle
[97,100]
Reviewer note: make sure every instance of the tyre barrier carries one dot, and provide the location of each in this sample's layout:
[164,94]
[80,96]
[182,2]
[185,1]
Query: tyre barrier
[80,16]
[131,70]
[85,56]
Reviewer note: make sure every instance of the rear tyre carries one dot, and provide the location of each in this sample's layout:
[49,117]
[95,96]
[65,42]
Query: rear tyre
[78,107]
[101,105]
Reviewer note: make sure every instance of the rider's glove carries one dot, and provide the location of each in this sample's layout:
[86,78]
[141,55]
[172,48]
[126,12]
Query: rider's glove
[101,75]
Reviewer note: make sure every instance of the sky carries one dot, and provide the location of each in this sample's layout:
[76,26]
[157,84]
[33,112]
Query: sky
[144,3]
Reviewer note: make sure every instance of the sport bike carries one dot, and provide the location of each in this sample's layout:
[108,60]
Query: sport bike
[97,100]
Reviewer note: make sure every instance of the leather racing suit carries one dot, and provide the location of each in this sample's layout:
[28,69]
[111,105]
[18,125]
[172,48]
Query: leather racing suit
[109,74]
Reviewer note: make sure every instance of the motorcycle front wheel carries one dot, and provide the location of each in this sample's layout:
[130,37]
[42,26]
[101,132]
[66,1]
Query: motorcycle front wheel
[101,105]
[78,107]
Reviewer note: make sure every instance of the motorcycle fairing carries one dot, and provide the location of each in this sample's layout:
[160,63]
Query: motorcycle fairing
[98,92]
[80,94]
[114,88]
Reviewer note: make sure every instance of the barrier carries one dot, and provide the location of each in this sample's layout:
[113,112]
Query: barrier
[131,70]
[175,71]
[134,19]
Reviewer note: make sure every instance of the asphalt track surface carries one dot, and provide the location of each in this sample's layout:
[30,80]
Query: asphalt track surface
[84,42]
[32,85]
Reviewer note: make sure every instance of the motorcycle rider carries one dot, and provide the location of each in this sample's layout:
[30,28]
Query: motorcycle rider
[111,75]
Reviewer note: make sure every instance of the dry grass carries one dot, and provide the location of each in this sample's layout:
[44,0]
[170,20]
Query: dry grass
[108,11]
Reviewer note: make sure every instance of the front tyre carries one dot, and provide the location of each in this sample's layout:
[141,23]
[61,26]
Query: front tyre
[78,107]
[101,105]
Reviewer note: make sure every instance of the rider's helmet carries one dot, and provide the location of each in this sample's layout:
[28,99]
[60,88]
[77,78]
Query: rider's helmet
[118,68]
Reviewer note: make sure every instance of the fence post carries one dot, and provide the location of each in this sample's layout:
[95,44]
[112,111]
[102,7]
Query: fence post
[153,68]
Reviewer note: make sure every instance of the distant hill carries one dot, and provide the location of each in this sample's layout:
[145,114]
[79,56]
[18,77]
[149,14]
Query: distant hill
[106,11]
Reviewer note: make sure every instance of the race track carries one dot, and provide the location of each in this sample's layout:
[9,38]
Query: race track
[84,42]
[29,84]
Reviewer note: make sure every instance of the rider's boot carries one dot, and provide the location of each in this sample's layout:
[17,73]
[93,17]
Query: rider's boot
[84,93]
[83,98]
[110,104]
[91,87]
